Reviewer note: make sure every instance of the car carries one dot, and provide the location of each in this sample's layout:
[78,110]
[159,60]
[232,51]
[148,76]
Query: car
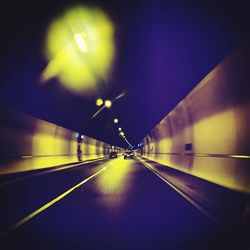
[113,154]
[128,154]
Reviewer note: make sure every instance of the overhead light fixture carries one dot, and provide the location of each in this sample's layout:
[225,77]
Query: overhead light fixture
[120,129]
[108,104]
[99,102]
[81,42]
[115,120]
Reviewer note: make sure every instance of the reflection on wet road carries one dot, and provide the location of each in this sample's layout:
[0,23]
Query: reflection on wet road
[110,204]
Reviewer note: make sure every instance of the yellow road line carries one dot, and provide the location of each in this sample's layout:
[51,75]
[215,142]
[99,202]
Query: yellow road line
[150,167]
[30,216]
[49,171]
[71,166]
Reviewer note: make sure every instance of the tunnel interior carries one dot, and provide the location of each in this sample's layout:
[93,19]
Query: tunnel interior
[167,80]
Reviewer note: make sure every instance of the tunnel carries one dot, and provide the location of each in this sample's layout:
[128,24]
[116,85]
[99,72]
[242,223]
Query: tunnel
[125,125]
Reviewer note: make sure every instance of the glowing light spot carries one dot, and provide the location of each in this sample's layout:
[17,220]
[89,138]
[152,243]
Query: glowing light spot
[115,120]
[120,129]
[81,43]
[26,156]
[108,104]
[80,49]
[99,102]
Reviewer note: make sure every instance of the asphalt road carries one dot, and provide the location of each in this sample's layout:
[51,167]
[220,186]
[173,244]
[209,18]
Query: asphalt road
[109,204]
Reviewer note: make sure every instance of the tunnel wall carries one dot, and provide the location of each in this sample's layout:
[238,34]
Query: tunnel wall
[28,143]
[207,133]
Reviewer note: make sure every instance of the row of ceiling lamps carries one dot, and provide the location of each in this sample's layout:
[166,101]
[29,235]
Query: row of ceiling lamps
[121,133]
[108,104]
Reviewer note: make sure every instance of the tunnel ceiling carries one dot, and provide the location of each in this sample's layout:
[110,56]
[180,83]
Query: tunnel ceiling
[163,49]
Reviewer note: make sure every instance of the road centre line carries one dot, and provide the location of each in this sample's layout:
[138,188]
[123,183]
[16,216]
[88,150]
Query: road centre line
[49,204]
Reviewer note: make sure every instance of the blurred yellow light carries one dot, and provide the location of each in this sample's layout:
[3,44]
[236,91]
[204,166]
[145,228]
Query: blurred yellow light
[108,104]
[115,120]
[122,134]
[114,183]
[80,49]
[99,102]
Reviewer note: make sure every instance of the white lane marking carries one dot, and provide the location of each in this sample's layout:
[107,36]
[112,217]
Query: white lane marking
[30,216]
[205,212]
[49,171]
